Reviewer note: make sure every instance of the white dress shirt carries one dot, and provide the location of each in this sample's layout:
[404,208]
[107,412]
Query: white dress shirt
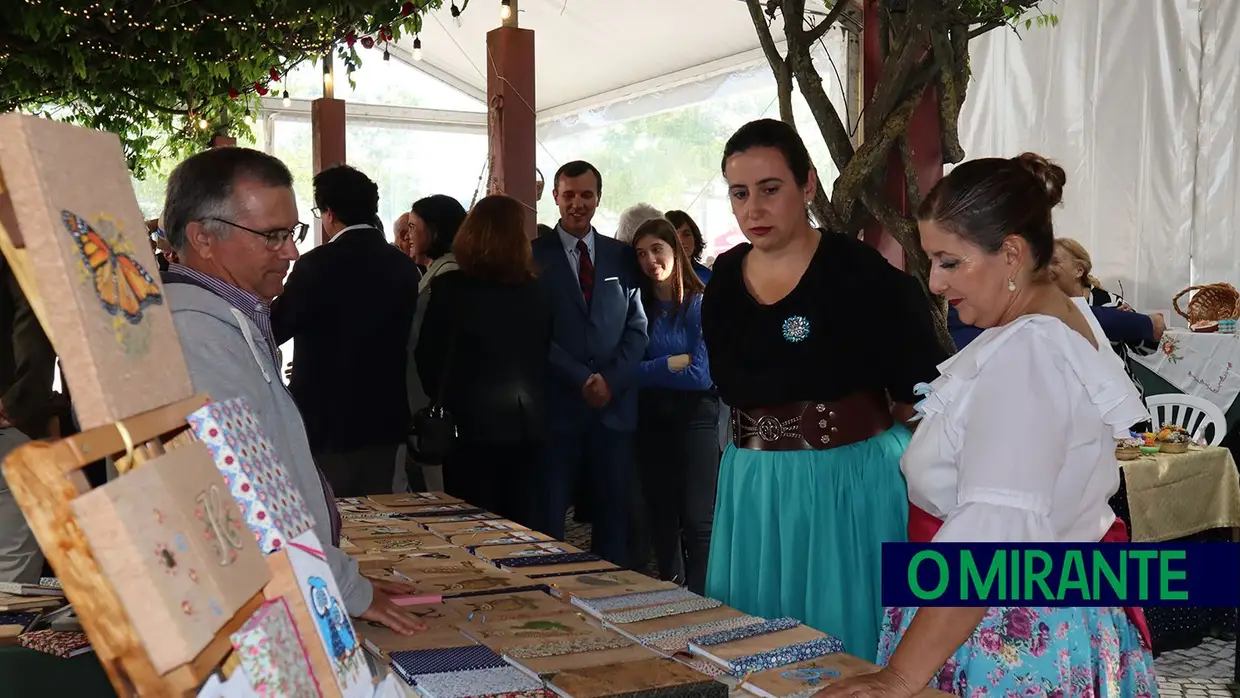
[570,248]
[1017,443]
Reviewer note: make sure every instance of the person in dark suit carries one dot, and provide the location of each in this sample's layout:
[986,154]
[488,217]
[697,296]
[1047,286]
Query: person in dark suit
[598,339]
[348,304]
[483,347]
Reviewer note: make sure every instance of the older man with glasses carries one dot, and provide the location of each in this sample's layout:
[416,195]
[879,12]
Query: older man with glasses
[231,216]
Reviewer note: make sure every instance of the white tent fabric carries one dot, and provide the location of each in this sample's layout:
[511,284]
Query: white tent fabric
[1114,94]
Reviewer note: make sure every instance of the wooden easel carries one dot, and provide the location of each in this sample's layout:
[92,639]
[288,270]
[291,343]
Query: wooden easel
[45,476]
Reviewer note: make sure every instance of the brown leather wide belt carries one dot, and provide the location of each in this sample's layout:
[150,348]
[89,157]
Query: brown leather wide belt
[804,426]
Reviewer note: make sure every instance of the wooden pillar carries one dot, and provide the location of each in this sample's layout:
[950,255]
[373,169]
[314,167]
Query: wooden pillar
[222,141]
[327,123]
[511,122]
[924,137]
[327,131]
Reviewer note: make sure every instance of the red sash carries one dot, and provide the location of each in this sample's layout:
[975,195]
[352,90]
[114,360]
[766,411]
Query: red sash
[922,527]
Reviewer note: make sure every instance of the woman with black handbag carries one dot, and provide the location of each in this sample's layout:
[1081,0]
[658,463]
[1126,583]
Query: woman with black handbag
[482,353]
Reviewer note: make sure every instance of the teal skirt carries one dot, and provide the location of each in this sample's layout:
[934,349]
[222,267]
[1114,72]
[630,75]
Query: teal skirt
[800,534]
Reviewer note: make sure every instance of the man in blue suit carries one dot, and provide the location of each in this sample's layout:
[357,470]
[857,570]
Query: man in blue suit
[598,338]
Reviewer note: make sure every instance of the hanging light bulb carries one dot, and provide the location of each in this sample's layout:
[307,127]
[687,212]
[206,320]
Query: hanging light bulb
[417,49]
[287,101]
[202,124]
[505,9]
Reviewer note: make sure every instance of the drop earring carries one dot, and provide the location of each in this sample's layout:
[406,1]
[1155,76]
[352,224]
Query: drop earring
[1011,285]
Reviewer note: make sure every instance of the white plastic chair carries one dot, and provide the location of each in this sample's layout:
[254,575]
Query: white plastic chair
[1195,414]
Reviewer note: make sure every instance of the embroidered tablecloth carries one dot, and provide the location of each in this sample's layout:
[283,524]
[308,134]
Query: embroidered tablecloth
[1198,363]
[1172,496]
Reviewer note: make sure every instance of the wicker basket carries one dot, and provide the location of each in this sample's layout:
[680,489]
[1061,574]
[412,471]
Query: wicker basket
[1211,302]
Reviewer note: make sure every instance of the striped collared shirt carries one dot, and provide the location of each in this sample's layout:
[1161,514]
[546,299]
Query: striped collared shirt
[249,304]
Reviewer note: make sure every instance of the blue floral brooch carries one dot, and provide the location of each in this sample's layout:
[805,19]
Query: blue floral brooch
[796,329]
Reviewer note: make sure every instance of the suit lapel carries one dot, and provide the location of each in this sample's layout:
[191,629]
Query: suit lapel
[561,267]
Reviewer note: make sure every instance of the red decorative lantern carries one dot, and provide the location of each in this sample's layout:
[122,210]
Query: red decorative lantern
[232,94]
[350,39]
[275,75]
[368,42]
[407,9]
[385,33]
[262,91]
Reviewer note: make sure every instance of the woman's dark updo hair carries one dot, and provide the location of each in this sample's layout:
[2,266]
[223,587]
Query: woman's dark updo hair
[986,200]
[771,133]
[443,216]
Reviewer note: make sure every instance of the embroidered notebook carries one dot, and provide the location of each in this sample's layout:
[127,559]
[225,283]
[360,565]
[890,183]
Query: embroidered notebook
[611,583]
[477,682]
[653,678]
[170,539]
[608,604]
[71,207]
[272,506]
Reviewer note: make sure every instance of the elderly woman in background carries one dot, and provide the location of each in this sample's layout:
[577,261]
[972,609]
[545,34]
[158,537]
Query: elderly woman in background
[691,240]
[1072,271]
[632,218]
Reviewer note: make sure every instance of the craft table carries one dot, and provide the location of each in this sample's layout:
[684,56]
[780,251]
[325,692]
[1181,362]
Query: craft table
[1174,496]
[1206,365]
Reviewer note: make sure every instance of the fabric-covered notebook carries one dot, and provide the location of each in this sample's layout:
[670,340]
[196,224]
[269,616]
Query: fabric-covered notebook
[612,583]
[60,644]
[503,681]
[412,664]
[650,678]
[411,499]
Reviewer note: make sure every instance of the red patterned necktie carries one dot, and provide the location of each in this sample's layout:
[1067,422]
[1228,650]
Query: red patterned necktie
[585,270]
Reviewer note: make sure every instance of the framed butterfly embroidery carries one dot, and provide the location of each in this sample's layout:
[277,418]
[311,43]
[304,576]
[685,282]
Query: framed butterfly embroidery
[124,287]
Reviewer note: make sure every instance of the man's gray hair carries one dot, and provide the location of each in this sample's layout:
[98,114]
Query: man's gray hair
[632,218]
[201,187]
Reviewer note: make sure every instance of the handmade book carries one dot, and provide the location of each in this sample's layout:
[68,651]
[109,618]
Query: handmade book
[505,682]
[805,679]
[390,529]
[606,584]
[170,539]
[273,655]
[492,553]
[91,275]
[325,613]
[733,648]
[653,678]
[272,506]
[453,528]
[407,500]
[503,607]
[476,539]
[507,635]
[56,643]
[414,663]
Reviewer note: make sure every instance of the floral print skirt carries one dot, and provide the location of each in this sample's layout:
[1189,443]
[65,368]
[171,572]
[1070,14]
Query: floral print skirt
[1052,652]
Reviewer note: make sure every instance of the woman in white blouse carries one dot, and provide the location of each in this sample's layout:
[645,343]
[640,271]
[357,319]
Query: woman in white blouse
[1016,445]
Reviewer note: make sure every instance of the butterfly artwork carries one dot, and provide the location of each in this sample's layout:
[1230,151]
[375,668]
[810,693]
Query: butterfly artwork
[89,270]
[124,287]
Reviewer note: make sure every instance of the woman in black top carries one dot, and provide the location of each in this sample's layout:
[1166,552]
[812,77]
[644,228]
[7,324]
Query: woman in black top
[817,343]
[484,344]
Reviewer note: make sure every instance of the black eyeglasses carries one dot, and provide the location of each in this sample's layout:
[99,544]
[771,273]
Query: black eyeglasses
[275,238]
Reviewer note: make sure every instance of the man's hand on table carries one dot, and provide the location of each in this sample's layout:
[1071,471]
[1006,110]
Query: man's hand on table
[383,611]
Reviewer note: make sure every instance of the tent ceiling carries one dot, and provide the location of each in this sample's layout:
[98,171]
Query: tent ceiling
[593,52]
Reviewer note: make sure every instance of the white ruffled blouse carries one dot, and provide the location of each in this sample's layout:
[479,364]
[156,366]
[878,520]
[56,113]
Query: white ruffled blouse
[1017,437]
